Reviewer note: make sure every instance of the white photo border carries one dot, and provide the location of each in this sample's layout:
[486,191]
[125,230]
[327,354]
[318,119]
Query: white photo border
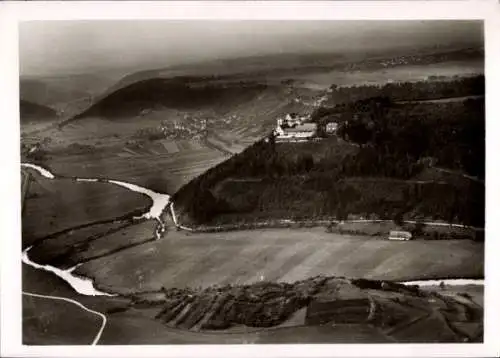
[11,13]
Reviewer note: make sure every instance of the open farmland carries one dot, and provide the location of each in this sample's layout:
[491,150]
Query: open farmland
[40,313]
[53,205]
[192,260]
[153,332]
[164,172]
[70,248]
[41,324]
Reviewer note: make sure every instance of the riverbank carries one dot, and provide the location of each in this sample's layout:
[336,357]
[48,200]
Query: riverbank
[84,285]
[242,257]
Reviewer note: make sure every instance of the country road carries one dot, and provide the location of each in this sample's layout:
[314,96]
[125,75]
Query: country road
[57,298]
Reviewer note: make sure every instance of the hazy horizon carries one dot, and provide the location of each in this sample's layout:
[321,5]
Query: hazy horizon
[51,48]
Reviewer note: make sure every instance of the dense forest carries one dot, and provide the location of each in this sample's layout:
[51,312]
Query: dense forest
[407,91]
[370,169]
[178,93]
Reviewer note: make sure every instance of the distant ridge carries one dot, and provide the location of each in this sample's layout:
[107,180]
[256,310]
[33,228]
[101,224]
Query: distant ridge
[175,93]
[33,111]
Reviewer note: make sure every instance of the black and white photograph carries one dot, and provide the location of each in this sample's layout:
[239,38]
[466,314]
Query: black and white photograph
[252,182]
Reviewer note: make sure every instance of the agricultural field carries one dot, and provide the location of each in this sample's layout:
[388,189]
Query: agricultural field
[244,257]
[164,172]
[69,248]
[102,149]
[41,324]
[54,205]
[45,321]
[341,334]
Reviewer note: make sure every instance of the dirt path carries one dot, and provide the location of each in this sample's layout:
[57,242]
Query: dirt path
[102,316]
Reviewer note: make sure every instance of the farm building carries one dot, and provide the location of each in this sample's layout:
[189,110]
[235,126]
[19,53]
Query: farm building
[400,235]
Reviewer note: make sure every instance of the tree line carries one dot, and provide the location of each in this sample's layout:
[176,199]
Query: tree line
[409,91]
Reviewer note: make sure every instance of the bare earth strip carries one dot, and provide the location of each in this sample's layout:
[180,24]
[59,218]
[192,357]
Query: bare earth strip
[291,254]
[306,267]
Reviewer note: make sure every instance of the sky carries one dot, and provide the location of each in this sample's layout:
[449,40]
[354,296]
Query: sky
[69,47]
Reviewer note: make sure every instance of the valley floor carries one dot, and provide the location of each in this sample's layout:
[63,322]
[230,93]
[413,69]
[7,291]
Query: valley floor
[183,259]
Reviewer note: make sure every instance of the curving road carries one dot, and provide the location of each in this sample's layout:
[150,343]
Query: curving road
[57,298]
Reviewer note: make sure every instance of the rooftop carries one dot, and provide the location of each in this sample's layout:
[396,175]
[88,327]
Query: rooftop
[306,127]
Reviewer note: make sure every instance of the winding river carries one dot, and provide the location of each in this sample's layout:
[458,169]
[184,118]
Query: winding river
[449,282]
[85,286]
[82,285]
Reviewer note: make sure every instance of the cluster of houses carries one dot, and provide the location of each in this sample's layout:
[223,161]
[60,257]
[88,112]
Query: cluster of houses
[294,127]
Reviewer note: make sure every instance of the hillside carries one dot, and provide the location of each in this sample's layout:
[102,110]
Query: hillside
[177,93]
[30,111]
[390,311]
[371,168]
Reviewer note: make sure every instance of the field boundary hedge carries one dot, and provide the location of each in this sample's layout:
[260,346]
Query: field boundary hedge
[331,224]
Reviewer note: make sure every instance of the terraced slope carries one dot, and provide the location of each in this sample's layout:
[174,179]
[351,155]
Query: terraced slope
[394,312]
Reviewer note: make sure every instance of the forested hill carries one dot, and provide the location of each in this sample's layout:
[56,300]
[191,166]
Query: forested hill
[177,93]
[408,160]
[433,89]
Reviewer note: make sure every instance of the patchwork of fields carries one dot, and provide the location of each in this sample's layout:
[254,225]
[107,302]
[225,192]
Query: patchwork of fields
[165,172]
[243,257]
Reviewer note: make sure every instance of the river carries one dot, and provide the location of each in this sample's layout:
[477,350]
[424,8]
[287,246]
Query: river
[82,285]
[449,282]
[85,286]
